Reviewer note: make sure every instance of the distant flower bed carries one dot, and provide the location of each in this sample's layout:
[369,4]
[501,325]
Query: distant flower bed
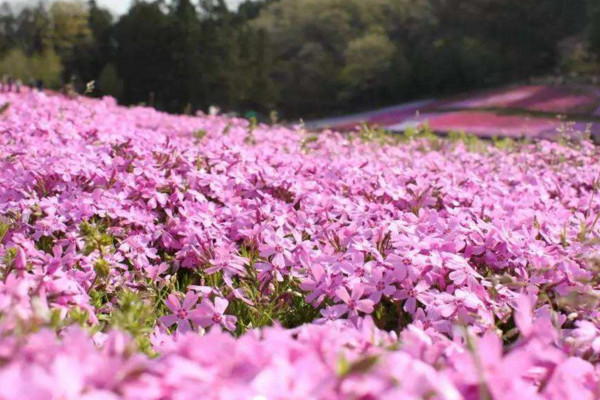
[534,111]
[549,99]
[149,256]
[487,124]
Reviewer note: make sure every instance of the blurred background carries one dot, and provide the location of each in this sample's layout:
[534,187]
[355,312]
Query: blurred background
[300,58]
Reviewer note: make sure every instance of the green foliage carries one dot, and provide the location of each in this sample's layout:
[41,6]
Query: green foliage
[109,82]
[7,260]
[280,302]
[95,236]
[15,63]
[300,57]
[4,227]
[368,63]
[283,303]
[200,134]
[70,27]
[361,366]
[383,51]
[102,268]
[134,316]
[593,26]
[46,66]
[294,311]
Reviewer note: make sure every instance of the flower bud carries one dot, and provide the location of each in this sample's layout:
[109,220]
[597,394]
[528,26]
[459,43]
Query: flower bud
[102,268]
[20,259]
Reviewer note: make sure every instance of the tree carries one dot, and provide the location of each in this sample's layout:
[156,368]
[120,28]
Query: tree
[184,88]
[71,37]
[45,66]
[524,32]
[101,50]
[338,51]
[368,64]
[109,83]
[70,26]
[593,26]
[33,30]
[142,53]
[309,38]
[302,57]
[7,27]
[16,64]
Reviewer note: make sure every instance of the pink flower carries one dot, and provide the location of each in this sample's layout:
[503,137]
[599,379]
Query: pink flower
[353,303]
[182,313]
[573,379]
[227,261]
[57,260]
[332,313]
[317,281]
[277,246]
[462,299]
[412,294]
[20,262]
[524,316]
[214,314]
[136,249]
[154,272]
[270,271]
[380,284]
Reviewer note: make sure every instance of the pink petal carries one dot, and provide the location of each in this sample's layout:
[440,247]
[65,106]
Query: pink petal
[267,251]
[57,251]
[221,305]
[169,320]
[357,291]
[343,294]
[173,303]
[204,321]
[229,322]
[190,300]
[196,315]
[278,260]
[447,310]
[184,326]
[208,307]
[365,306]
[375,297]
[389,290]
[523,315]
[376,274]
[411,305]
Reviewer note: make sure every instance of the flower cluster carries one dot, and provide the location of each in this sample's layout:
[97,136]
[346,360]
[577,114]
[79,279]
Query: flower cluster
[337,361]
[398,267]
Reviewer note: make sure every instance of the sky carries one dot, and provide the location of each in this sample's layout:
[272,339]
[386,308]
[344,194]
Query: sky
[119,7]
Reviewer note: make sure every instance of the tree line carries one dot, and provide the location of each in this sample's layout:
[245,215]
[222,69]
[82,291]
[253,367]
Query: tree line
[302,58]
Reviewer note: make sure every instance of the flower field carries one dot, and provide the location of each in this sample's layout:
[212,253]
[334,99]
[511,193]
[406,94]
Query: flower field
[532,112]
[538,98]
[149,256]
[487,124]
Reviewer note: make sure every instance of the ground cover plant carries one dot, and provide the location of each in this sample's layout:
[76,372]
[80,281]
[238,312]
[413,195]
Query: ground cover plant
[566,99]
[533,111]
[487,124]
[149,256]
